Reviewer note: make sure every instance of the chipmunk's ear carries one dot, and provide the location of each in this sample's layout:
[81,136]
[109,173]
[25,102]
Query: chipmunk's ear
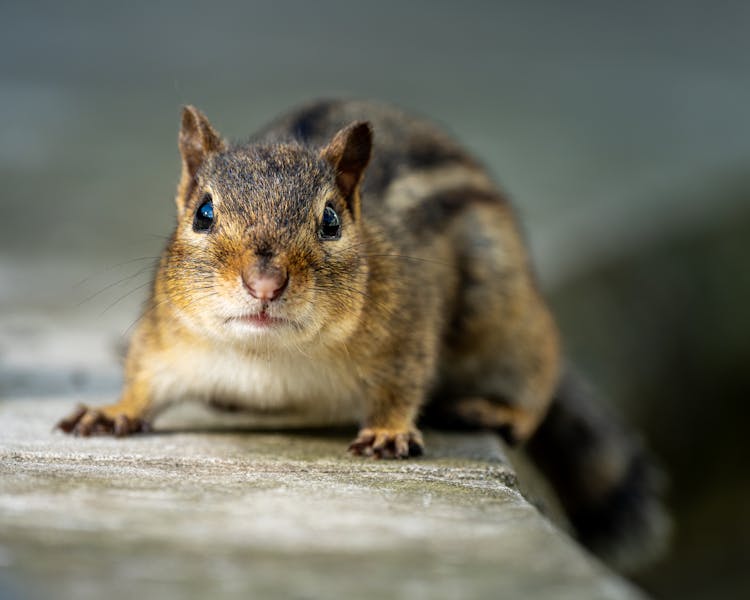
[197,140]
[348,153]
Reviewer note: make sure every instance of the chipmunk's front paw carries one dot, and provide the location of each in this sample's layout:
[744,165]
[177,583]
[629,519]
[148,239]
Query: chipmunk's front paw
[87,421]
[387,443]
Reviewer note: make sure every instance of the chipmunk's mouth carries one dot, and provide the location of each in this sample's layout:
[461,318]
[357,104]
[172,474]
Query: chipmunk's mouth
[259,320]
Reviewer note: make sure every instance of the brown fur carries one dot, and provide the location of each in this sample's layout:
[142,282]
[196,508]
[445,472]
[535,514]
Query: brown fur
[428,293]
[423,302]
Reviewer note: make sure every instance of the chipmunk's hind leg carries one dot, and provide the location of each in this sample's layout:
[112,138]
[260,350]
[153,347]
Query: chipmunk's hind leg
[513,423]
[500,358]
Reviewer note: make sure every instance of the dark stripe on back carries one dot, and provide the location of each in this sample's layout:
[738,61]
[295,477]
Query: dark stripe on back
[310,124]
[402,142]
[428,152]
[436,211]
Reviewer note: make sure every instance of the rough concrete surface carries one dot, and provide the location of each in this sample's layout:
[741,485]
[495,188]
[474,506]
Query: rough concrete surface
[189,513]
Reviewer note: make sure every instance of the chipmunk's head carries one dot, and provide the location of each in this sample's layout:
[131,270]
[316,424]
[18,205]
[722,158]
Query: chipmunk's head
[267,249]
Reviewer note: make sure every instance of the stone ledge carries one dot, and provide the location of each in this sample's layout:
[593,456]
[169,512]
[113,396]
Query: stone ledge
[192,514]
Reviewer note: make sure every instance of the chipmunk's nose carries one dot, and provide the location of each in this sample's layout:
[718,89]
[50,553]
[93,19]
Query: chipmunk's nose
[267,284]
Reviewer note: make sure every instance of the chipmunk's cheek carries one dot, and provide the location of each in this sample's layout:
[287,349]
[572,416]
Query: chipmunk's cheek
[299,298]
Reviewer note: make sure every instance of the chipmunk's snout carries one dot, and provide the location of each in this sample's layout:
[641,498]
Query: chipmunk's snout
[266,283]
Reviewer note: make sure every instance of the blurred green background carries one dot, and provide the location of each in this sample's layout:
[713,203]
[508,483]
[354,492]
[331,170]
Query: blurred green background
[621,130]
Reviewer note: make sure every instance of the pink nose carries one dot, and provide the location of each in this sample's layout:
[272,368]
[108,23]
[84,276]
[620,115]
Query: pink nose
[267,285]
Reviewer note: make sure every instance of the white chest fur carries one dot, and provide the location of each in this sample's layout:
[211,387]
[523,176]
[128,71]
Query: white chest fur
[285,389]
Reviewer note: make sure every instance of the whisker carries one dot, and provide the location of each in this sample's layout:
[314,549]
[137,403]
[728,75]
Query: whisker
[121,298]
[112,267]
[116,283]
[152,307]
[414,258]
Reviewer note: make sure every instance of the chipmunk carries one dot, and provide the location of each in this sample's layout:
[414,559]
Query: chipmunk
[353,263]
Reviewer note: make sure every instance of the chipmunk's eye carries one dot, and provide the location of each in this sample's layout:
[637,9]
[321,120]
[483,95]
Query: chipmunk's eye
[330,224]
[204,216]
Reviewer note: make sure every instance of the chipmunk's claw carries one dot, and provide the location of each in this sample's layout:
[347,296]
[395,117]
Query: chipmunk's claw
[85,421]
[387,443]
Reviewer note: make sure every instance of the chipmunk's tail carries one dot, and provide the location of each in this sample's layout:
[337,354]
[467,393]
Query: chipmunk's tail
[606,482]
